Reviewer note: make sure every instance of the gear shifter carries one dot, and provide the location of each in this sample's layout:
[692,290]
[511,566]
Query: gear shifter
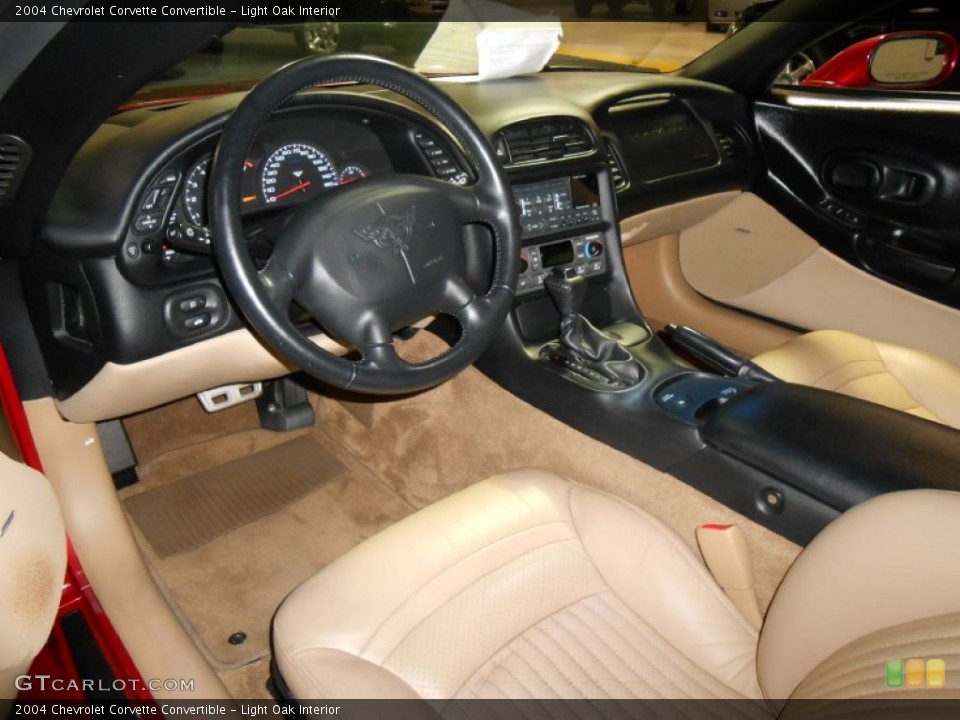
[583,349]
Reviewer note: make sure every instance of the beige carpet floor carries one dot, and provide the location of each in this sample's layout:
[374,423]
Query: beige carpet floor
[234,583]
[400,455]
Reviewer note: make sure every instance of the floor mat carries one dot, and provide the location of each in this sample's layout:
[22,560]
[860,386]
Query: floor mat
[231,586]
[192,511]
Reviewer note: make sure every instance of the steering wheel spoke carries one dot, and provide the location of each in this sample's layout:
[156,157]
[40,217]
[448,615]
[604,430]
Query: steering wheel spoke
[382,358]
[473,204]
[472,310]
[277,283]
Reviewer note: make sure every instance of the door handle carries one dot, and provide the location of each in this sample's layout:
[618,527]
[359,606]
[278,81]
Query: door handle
[903,186]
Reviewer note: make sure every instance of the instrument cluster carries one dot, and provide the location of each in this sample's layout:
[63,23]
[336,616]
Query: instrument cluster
[292,161]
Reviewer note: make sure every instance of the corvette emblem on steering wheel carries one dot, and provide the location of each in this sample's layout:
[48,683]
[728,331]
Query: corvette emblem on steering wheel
[392,232]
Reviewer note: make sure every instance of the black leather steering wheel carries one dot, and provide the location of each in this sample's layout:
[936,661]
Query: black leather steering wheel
[372,257]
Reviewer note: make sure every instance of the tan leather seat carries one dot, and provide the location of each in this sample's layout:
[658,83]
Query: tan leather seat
[897,377]
[33,560]
[529,586]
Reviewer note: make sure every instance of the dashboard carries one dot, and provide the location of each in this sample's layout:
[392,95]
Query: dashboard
[123,274]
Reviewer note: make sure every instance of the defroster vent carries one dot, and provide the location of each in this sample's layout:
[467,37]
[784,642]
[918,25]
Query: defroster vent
[15,156]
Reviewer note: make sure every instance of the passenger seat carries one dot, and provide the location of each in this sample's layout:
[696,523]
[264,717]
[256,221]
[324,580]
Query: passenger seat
[897,377]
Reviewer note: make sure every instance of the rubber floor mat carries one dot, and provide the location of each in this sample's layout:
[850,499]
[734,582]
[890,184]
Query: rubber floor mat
[194,510]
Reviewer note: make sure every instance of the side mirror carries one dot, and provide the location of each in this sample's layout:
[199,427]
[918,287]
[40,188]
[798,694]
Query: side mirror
[913,60]
[907,60]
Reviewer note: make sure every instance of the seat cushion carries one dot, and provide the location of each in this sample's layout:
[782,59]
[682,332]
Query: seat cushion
[33,556]
[524,585]
[866,586]
[890,375]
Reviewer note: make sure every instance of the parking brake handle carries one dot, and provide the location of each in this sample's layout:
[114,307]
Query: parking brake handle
[715,355]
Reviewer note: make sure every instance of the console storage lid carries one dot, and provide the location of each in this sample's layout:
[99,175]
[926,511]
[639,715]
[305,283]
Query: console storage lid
[835,448]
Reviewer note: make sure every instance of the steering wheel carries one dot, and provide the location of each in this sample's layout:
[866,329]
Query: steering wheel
[372,257]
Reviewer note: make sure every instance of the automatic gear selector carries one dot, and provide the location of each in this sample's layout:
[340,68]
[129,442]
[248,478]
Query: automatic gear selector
[583,353]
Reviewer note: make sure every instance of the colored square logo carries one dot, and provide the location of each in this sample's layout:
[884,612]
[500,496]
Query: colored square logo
[914,670]
[936,673]
[894,673]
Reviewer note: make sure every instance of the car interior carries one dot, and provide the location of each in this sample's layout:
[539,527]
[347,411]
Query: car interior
[580,384]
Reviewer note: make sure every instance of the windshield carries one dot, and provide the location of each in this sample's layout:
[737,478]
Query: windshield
[432,44]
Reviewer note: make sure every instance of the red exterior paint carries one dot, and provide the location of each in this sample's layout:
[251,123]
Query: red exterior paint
[850,68]
[55,659]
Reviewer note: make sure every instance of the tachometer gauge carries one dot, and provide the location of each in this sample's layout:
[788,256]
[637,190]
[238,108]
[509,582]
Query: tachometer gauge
[352,172]
[296,169]
[195,193]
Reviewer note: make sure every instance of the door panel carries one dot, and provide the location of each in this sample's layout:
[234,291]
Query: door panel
[751,257]
[875,178]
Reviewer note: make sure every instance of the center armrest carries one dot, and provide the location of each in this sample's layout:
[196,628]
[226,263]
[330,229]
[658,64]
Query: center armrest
[835,448]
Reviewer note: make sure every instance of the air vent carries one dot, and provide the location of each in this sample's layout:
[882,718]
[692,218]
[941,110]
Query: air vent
[730,140]
[15,156]
[617,172]
[544,139]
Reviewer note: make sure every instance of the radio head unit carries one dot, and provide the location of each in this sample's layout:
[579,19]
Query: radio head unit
[567,214]
[550,206]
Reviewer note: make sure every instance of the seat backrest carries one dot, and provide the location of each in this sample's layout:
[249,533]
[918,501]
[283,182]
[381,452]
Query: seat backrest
[880,583]
[33,560]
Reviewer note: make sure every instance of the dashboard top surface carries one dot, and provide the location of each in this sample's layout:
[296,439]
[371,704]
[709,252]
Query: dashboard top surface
[102,186]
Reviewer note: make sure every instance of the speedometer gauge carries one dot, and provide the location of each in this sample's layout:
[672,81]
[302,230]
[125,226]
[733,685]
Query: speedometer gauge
[296,169]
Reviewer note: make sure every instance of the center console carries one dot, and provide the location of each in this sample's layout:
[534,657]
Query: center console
[777,454]
[564,217]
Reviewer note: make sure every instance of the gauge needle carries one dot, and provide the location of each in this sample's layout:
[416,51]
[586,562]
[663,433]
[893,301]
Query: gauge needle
[292,190]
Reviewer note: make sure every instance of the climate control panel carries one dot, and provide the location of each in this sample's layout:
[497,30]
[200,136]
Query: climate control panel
[582,256]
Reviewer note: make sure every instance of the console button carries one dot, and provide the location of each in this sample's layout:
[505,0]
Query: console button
[192,304]
[153,197]
[170,177]
[195,322]
[147,222]
[593,249]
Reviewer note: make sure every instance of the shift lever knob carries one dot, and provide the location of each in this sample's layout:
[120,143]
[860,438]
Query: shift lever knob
[567,296]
